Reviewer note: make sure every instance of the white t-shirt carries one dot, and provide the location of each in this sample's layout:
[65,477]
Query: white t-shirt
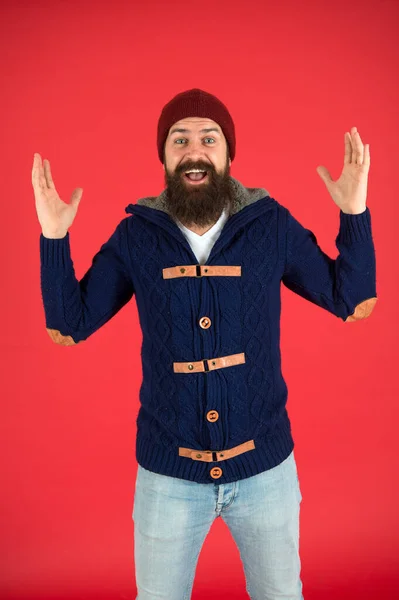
[201,245]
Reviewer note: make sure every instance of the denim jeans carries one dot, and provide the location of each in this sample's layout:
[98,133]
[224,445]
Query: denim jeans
[173,516]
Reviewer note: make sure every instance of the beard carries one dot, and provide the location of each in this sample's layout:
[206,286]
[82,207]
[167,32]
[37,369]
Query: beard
[200,204]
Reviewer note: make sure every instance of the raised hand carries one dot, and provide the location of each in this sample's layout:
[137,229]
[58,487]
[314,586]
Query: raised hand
[349,192]
[55,215]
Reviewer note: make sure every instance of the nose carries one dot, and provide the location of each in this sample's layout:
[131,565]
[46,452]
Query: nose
[195,155]
[195,152]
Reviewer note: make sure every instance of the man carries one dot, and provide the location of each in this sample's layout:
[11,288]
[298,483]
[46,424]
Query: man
[205,260]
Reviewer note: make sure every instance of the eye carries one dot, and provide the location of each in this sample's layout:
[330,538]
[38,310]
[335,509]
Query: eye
[180,139]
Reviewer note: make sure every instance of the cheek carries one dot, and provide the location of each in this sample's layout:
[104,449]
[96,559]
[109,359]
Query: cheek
[171,159]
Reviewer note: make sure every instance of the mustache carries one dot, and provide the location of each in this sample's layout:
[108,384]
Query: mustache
[201,166]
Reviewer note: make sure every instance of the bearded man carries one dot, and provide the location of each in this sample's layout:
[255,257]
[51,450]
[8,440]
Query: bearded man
[205,260]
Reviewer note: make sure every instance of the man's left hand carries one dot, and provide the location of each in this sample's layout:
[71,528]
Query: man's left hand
[349,192]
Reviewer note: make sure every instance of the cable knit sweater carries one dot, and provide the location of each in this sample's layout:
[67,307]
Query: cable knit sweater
[212,398]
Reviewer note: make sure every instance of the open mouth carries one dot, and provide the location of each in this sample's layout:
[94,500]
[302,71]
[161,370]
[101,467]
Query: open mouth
[196,177]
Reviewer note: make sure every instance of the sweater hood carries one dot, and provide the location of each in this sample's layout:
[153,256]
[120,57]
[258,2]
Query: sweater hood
[241,196]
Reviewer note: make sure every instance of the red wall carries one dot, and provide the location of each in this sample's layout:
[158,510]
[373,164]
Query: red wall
[83,84]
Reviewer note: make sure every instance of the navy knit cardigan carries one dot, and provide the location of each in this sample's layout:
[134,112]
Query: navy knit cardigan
[191,314]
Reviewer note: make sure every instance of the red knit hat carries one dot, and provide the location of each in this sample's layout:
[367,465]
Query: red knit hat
[195,103]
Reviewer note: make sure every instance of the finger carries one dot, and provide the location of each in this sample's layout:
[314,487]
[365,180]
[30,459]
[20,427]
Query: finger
[47,173]
[35,171]
[348,149]
[366,160]
[38,179]
[358,145]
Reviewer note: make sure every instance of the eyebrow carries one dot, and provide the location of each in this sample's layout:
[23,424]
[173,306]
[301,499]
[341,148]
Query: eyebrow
[177,130]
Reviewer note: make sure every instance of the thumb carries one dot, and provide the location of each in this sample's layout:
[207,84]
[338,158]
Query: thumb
[324,174]
[76,197]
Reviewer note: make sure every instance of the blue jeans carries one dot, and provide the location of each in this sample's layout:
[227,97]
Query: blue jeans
[173,516]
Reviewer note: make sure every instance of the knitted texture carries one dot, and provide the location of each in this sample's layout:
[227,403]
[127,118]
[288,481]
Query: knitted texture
[271,247]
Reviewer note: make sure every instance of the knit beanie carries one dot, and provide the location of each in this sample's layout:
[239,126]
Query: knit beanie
[195,103]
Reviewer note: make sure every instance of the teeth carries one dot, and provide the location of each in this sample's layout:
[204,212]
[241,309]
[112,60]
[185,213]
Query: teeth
[196,171]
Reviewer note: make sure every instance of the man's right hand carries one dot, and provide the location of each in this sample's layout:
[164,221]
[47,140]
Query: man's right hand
[55,215]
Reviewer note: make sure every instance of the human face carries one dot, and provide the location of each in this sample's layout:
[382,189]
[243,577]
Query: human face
[196,202]
[195,145]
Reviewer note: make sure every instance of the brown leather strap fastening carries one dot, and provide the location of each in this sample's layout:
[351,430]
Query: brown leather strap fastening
[215,456]
[211,363]
[201,271]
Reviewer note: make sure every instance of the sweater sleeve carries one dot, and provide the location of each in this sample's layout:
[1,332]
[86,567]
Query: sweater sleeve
[345,286]
[76,309]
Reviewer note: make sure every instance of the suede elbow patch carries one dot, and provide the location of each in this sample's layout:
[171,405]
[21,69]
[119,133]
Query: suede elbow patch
[58,338]
[362,310]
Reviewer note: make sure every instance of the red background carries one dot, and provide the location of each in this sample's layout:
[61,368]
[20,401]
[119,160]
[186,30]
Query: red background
[83,84]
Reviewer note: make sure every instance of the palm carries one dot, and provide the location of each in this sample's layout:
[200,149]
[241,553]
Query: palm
[48,203]
[53,213]
[349,192]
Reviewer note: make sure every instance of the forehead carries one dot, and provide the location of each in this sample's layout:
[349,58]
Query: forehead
[195,124]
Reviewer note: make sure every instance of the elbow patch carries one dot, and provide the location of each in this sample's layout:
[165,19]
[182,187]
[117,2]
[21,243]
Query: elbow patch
[62,340]
[362,310]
